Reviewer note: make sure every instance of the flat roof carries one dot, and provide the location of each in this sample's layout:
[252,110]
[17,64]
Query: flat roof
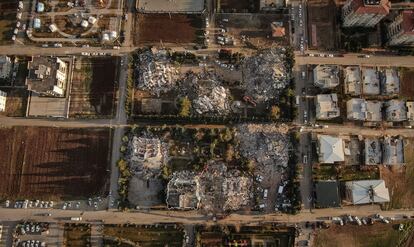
[373,154]
[327,194]
[170,6]
[371,83]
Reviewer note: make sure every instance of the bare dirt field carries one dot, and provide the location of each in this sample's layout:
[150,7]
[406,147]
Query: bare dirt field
[53,163]
[407,82]
[175,28]
[77,235]
[375,235]
[399,180]
[322,24]
[93,87]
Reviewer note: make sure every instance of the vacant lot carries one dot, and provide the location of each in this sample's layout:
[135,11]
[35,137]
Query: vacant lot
[53,163]
[322,24]
[7,20]
[175,28]
[399,180]
[77,235]
[144,236]
[93,87]
[16,102]
[407,82]
[375,235]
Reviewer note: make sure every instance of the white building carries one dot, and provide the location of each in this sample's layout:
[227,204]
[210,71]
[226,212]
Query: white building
[367,191]
[330,149]
[3,97]
[327,106]
[371,82]
[395,110]
[364,110]
[353,85]
[326,76]
[5,67]
[390,82]
[393,151]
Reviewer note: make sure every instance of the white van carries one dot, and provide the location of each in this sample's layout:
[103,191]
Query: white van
[265,194]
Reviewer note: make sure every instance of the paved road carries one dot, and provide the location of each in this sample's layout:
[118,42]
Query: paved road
[120,120]
[192,217]
[353,59]
[23,50]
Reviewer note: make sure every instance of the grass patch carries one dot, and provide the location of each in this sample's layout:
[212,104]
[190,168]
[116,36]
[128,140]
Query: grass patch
[378,235]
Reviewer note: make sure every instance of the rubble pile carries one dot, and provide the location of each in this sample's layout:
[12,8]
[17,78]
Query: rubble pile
[156,73]
[216,101]
[181,191]
[265,74]
[206,92]
[146,155]
[220,189]
[263,145]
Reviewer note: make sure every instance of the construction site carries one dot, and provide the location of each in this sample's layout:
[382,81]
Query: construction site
[227,84]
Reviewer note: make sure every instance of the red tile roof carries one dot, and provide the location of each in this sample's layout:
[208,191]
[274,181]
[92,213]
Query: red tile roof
[408,21]
[361,8]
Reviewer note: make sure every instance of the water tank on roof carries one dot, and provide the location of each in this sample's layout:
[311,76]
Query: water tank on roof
[105,37]
[113,34]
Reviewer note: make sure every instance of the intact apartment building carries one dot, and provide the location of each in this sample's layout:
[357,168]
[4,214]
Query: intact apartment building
[48,76]
[401,31]
[364,13]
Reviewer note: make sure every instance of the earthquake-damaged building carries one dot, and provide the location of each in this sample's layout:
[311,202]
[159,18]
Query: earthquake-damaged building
[182,191]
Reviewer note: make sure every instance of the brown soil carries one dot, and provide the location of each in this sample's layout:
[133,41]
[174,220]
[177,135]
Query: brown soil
[150,28]
[53,163]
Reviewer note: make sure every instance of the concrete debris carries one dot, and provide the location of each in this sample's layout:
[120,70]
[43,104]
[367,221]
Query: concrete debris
[263,145]
[216,189]
[182,191]
[146,155]
[265,74]
[216,101]
[156,73]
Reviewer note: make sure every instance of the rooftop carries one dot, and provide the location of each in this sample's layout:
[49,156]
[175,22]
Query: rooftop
[395,110]
[327,194]
[371,83]
[367,191]
[410,110]
[326,76]
[327,106]
[364,110]
[371,6]
[353,80]
[331,149]
[47,75]
[390,81]
[393,151]
[373,154]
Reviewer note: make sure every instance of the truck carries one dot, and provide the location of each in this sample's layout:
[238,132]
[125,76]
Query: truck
[76,218]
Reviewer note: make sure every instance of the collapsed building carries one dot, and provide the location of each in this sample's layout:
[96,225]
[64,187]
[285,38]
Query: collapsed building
[155,72]
[146,155]
[182,191]
[265,74]
[215,189]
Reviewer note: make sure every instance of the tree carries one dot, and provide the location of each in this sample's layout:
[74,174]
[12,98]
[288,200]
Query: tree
[185,107]
[275,113]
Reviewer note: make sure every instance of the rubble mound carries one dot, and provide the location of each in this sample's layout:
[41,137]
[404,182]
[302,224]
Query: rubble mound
[155,72]
[216,101]
[146,155]
[264,144]
[265,74]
